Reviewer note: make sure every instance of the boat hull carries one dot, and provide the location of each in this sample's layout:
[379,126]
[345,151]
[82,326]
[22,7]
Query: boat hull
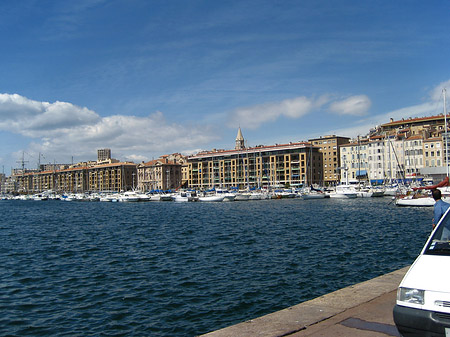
[415,202]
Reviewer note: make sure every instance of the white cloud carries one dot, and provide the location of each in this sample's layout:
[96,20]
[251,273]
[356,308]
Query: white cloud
[35,119]
[436,93]
[62,129]
[254,116]
[354,105]
[432,106]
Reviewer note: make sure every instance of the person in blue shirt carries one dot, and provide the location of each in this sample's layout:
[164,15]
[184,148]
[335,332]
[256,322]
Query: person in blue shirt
[440,207]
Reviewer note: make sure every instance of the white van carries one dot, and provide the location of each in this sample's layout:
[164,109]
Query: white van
[423,297]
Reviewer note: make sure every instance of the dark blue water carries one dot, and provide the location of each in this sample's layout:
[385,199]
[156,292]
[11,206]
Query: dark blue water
[169,269]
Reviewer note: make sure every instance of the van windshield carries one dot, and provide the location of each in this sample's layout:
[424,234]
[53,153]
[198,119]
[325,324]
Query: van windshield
[440,242]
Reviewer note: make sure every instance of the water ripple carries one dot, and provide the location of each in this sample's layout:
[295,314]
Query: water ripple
[168,269]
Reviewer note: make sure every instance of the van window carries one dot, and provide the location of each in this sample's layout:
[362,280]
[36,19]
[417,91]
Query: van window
[440,242]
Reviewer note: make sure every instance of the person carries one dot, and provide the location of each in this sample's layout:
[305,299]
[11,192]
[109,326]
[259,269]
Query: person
[440,207]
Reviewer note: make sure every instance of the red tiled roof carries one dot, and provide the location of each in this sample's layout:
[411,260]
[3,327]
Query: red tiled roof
[414,137]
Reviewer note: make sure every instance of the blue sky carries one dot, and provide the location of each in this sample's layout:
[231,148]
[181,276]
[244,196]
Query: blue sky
[147,78]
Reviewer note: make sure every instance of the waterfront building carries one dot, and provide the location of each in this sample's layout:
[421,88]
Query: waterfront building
[376,162]
[10,185]
[112,177]
[66,180]
[160,174]
[380,159]
[105,177]
[280,165]
[413,156]
[330,149]
[434,158]
[355,161]
[424,148]
[433,152]
[396,158]
[2,183]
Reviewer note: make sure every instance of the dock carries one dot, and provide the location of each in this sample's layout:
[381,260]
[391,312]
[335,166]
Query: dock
[363,309]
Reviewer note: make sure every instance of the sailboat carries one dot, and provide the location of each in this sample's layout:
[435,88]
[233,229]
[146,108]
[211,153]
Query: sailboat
[311,192]
[421,199]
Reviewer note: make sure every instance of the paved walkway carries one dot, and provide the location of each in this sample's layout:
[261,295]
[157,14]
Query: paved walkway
[364,309]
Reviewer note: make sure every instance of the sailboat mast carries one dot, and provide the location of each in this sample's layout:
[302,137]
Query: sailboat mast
[446,138]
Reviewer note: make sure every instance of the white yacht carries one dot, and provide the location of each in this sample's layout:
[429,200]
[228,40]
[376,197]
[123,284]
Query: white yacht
[344,192]
[129,196]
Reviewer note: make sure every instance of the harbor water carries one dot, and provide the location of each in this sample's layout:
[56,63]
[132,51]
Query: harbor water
[183,269]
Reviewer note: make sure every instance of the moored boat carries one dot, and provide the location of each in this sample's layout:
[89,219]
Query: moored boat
[211,198]
[344,192]
[314,195]
[421,195]
[185,197]
[129,196]
[423,201]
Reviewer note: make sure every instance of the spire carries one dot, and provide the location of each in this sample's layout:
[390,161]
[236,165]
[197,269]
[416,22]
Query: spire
[239,140]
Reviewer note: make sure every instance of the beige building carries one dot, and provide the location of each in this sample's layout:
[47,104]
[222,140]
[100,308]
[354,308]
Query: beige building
[112,177]
[279,165]
[413,156]
[433,152]
[355,161]
[107,177]
[330,149]
[160,174]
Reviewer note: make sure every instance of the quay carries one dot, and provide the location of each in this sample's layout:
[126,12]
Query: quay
[363,309]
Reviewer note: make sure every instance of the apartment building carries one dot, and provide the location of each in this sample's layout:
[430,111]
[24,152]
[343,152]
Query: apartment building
[112,177]
[2,183]
[355,161]
[106,177]
[433,152]
[423,148]
[330,149]
[413,156]
[279,165]
[385,159]
[159,174]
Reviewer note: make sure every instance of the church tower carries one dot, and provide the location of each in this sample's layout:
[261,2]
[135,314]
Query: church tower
[239,141]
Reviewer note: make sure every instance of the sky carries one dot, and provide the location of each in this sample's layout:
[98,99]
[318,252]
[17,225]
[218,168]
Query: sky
[147,78]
